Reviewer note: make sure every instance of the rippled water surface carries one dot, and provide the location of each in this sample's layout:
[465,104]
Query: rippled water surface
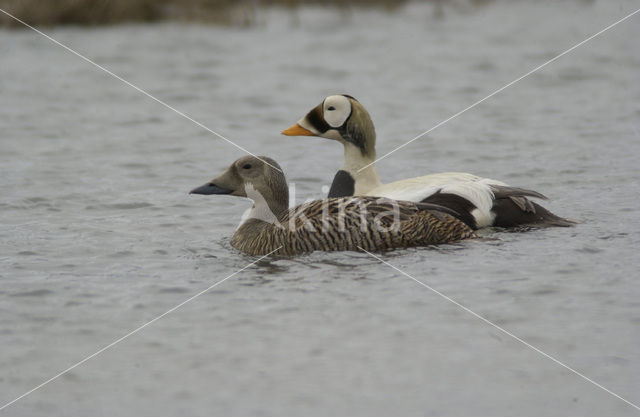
[98,234]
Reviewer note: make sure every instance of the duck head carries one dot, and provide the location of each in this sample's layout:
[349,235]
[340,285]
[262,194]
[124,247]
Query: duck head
[258,178]
[341,118]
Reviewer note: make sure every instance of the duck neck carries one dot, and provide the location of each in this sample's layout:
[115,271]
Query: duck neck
[262,221]
[360,166]
[268,205]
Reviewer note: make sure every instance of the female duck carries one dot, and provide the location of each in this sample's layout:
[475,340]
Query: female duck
[334,224]
[480,202]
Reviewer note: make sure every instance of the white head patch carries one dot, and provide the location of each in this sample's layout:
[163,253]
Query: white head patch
[336,110]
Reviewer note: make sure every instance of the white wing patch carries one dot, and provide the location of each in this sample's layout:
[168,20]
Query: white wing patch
[473,188]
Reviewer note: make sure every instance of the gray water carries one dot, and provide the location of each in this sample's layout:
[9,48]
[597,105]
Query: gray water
[99,235]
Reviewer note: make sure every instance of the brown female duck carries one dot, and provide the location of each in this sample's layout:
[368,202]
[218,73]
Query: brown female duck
[334,224]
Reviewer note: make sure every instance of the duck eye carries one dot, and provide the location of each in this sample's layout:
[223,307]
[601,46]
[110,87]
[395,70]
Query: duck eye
[246,166]
[331,108]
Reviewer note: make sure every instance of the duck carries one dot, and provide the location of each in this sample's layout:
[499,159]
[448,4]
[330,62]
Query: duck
[479,202]
[350,223]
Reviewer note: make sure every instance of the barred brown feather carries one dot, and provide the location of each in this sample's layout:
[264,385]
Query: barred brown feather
[347,224]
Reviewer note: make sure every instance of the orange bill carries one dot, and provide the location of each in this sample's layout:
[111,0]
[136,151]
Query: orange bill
[297,130]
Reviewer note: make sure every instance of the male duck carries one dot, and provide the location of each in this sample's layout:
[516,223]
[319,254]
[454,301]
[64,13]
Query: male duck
[480,202]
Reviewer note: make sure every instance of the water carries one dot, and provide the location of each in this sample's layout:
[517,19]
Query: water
[99,235]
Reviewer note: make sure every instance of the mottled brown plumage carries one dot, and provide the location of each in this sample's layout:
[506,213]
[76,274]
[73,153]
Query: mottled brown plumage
[335,224]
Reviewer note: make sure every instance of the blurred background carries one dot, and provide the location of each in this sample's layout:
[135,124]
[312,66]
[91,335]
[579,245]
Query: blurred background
[229,12]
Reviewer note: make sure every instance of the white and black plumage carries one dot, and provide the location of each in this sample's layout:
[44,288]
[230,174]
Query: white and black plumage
[480,202]
[334,224]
